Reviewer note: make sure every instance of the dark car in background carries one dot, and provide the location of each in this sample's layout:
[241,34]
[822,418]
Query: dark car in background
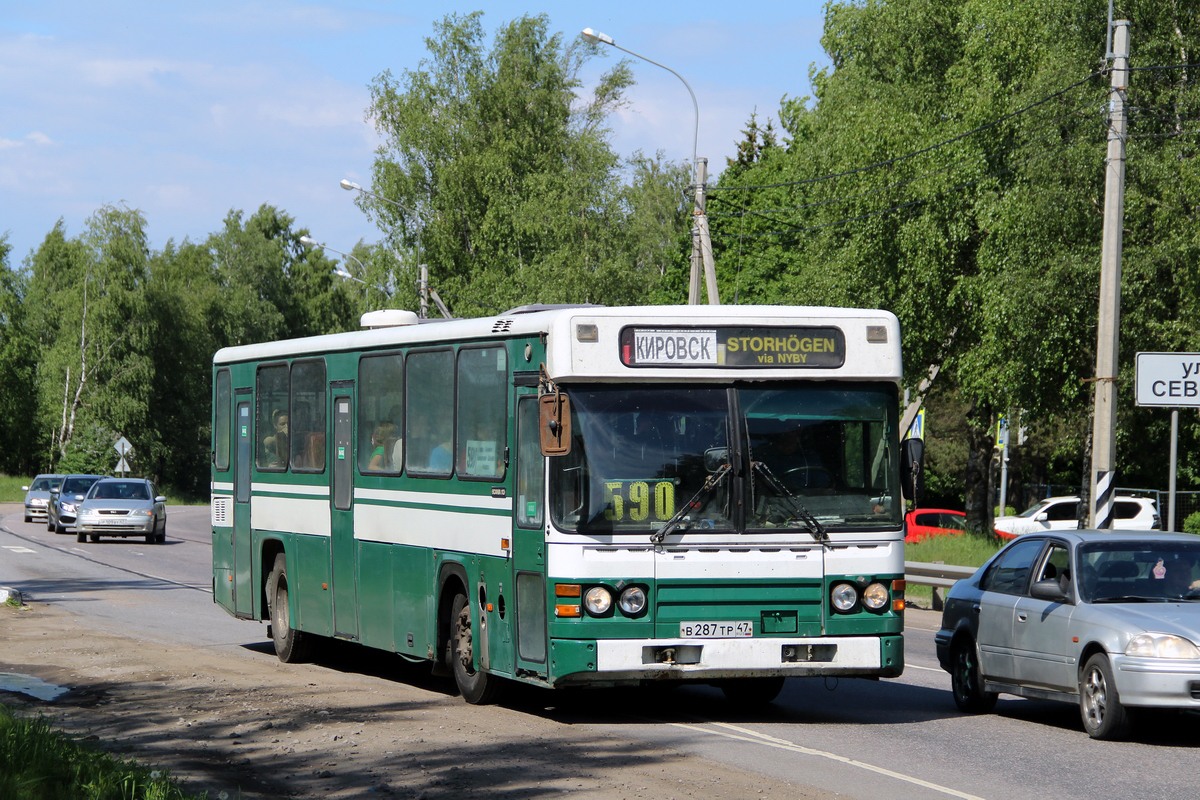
[122,507]
[37,495]
[65,499]
[1108,620]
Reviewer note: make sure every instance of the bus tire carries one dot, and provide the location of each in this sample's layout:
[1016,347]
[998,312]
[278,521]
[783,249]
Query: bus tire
[292,646]
[475,686]
[752,691]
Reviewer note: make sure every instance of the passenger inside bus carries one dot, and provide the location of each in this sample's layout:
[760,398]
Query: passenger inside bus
[382,441]
[275,445]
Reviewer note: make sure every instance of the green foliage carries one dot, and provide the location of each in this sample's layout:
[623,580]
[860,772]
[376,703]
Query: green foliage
[936,175]
[932,173]
[506,183]
[38,763]
[18,366]
[1192,523]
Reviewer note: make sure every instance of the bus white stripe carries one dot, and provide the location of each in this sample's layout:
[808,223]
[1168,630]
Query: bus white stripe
[290,514]
[444,530]
[442,499]
[290,488]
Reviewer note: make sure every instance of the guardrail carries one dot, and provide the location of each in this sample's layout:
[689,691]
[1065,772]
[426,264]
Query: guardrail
[939,576]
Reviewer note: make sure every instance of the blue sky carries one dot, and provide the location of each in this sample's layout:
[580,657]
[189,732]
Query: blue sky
[187,110]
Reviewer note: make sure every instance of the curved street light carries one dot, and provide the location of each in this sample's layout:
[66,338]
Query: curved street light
[701,244]
[340,270]
[422,270]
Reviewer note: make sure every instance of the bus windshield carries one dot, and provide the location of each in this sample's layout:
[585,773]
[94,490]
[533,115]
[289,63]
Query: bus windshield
[749,457]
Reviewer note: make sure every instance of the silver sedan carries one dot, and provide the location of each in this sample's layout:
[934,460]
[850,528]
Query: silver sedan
[1109,620]
[122,507]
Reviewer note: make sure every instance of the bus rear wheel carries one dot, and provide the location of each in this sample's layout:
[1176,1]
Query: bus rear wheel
[292,646]
[476,686]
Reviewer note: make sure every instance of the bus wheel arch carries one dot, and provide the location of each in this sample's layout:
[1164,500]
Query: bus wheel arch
[476,686]
[271,549]
[452,581]
[462,641]
[291,645]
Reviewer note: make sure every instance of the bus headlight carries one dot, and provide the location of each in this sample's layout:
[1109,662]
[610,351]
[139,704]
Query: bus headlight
[633,600]
[875,596]
[598,601]
[844,596]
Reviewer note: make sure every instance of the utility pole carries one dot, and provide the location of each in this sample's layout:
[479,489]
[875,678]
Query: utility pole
[702,255]
[1104,418]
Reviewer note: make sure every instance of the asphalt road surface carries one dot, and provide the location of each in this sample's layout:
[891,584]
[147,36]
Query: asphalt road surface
[899,738]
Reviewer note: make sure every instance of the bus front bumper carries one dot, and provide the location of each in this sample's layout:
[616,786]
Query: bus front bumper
[619,660]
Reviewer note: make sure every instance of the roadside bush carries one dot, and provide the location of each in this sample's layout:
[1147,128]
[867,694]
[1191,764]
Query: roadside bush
[38,763]
[1192,523]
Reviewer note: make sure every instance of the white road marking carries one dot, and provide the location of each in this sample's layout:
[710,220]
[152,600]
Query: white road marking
[927,669]
[18,549]
[741,734]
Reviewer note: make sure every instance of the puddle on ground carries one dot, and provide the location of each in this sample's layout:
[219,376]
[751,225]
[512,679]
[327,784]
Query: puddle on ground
[34,687]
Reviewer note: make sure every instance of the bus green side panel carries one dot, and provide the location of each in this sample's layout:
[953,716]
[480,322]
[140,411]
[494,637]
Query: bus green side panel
[222,557]
[376,611]
[315,601]
[413,599]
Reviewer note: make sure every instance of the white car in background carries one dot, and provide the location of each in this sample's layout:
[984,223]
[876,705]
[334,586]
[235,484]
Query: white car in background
[1062,513]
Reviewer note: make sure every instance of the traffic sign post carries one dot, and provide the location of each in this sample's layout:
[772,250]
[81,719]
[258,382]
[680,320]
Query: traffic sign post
[1169,380]
[124,451]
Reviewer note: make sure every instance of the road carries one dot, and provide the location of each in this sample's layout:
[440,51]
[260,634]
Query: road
[900,738]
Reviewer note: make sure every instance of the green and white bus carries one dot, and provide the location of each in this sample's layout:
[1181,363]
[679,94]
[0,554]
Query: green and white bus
[572,495]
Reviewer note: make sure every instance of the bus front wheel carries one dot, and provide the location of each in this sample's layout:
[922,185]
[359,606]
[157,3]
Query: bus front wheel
[291,645]
[476,686]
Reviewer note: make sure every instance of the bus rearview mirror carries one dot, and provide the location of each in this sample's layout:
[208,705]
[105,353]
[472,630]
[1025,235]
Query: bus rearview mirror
[555,424]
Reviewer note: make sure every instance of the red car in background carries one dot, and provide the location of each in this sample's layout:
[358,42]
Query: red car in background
[921,523]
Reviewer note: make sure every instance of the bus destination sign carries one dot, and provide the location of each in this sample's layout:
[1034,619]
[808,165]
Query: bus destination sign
[741,347]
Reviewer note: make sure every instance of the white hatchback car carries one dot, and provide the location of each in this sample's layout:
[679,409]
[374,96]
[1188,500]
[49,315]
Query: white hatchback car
[1062,513]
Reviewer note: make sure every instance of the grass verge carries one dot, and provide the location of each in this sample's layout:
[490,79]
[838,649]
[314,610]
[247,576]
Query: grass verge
[38,763]
[968,550]
[10,489]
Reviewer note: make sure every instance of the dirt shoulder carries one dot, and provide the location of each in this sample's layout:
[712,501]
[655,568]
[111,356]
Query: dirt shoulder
[233,720]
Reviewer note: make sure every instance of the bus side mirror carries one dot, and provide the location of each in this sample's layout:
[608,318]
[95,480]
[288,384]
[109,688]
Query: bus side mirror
[554,412]
[912,462]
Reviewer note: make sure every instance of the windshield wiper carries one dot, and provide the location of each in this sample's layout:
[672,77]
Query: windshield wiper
[799,512]
[710,483]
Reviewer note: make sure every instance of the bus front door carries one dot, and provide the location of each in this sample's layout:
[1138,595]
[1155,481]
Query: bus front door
[341,522]
[529,538]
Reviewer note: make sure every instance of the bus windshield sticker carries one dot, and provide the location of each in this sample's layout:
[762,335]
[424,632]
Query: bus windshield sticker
[639,500]
[789,348]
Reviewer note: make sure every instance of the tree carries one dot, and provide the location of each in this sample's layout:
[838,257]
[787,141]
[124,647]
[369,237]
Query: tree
[506,181]
[18,365]
[950,169]
[93,334]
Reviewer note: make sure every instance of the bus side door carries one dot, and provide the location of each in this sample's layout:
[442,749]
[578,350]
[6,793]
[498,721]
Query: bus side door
[341,523]
[243,550]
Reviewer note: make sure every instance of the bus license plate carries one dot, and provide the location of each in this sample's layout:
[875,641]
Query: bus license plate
[715,630]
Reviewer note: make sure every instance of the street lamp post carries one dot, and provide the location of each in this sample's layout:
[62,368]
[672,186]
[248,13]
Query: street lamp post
[340,270]
[701,241]
[422,269]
